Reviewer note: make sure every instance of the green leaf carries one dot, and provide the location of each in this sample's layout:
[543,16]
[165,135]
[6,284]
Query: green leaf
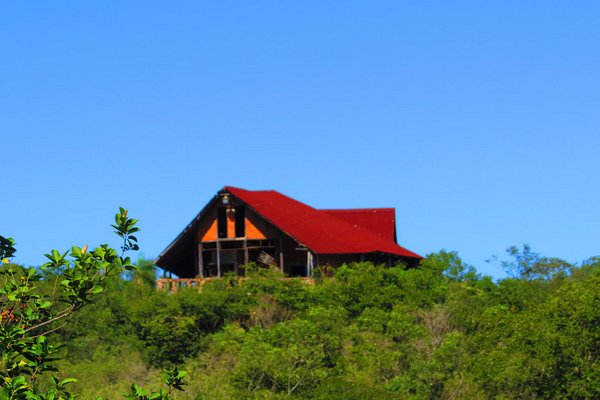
[45,304]
[97,289]
[66,381]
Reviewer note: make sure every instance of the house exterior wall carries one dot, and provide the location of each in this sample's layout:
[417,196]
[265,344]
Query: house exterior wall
[234,251]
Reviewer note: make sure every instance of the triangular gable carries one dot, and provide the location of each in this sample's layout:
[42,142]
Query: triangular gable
[252,232]
[211,233]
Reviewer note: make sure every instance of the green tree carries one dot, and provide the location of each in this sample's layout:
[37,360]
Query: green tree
[29,316]
[529,265]
[291,357]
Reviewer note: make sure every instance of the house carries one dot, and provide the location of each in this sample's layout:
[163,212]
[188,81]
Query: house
[266,227]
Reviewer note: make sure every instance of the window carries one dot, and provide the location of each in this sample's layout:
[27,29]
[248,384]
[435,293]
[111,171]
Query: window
[222,223]
[231,222]
[240,222]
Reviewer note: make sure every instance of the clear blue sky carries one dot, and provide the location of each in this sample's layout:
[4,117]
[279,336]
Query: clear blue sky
[478,122]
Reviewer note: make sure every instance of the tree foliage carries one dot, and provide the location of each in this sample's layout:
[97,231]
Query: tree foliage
[30,316]
[361,331]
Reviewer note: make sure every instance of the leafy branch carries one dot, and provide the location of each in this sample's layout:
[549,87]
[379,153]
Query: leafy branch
[27,316]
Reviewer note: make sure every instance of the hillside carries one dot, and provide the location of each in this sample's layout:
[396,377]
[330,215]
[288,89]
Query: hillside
[359,332]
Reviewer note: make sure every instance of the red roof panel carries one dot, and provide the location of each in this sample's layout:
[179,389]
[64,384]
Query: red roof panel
[324,231]
[379,221]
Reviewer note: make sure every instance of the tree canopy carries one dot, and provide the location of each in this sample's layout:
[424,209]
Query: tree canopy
[361,331]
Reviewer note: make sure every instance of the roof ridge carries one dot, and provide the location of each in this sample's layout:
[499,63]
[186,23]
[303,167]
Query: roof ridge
[358,209]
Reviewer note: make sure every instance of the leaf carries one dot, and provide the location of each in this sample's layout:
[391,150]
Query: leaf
[18,381]
[76,251]
[45,304]
[66,381]
[97,289]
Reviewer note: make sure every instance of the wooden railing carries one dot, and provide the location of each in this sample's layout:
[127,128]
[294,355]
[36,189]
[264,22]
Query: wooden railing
[174,284]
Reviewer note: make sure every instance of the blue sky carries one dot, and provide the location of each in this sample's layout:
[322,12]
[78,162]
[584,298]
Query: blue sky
[478,122]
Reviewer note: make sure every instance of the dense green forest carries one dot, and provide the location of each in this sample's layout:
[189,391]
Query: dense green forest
[362,331]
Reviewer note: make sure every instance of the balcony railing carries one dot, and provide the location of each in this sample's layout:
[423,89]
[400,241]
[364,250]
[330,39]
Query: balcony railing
[174,284]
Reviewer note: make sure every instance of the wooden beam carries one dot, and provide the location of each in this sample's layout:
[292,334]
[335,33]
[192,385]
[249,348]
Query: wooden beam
[281,255]
[219,258]
[246,255]
[309,264]
[236,266]
[200,261]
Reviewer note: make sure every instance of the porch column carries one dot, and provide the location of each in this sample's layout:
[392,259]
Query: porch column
[281,256]
[309,264]
[218,258]
[200,261]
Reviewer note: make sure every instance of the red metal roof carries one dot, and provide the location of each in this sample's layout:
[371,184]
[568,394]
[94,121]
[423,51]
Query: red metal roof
[325,231]
[379,221]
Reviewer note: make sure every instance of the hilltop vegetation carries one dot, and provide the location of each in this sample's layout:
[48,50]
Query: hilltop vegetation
[362,331]
[367,332]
